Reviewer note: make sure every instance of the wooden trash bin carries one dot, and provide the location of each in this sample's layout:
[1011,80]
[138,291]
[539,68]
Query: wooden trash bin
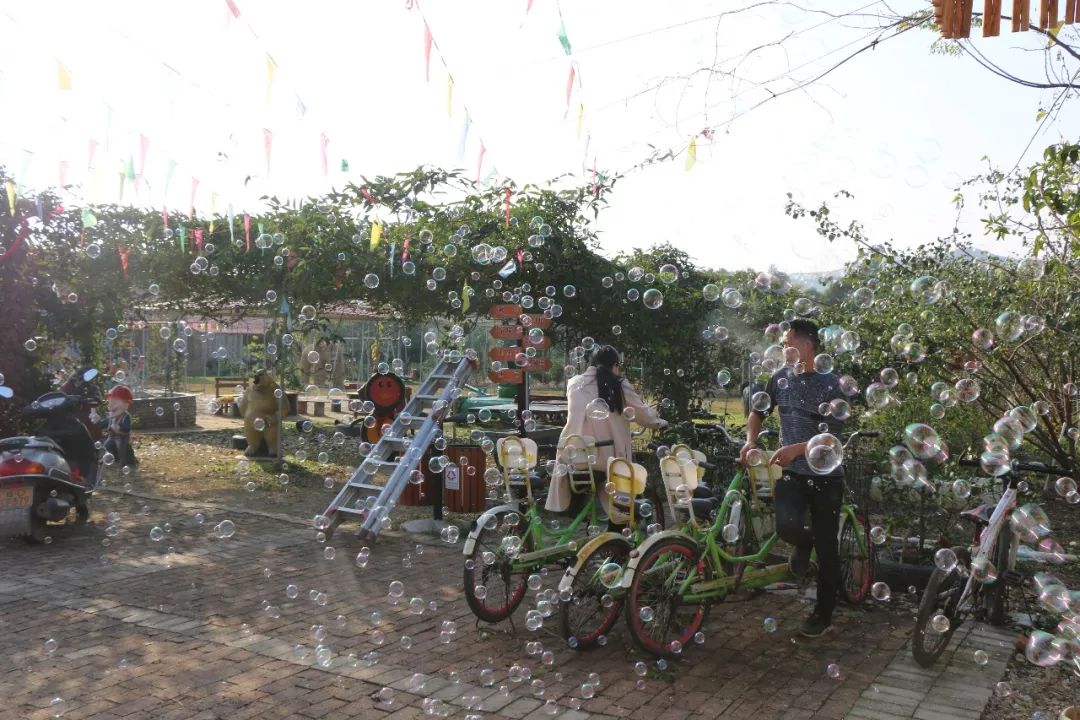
[463,491]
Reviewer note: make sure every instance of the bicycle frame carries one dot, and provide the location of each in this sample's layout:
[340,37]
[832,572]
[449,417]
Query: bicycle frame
[988,538]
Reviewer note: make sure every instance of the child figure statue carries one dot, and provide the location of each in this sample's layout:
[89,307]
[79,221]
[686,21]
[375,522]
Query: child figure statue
[118,426]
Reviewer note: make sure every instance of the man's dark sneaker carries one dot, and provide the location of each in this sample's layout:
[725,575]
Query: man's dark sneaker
[799,561]
[815,626]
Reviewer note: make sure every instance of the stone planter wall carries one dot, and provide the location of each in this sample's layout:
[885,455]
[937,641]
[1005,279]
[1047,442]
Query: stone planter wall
[144,412]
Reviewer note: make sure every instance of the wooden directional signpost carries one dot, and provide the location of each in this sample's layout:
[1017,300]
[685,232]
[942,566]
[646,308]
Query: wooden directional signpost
[513,326]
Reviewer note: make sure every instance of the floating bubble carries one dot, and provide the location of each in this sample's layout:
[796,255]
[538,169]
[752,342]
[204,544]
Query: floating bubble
[824,453]
[652,299]
[945,559]
[880,591]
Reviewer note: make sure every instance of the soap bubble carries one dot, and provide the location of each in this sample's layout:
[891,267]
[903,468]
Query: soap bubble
[880,591]
[371,281]
[945,559]
[711,292]
[598,409]
[770,624]
[824,453]
[652,299]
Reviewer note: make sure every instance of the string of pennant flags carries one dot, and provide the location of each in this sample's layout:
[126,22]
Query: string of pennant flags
[134,171]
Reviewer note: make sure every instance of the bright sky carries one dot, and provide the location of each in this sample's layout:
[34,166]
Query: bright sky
[897,126]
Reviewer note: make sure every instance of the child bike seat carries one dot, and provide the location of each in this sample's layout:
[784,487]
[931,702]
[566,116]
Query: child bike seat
[979,515]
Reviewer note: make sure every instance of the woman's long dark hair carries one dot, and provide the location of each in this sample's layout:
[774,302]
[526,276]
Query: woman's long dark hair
[608,384]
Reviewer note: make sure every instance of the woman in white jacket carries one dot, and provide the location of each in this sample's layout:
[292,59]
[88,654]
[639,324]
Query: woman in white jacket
[607,420]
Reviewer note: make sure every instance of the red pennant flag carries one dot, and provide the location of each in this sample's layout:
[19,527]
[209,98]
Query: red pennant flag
[427,52]
[323,142]
[405,251]
[521,257]
[247,232]
[367,195]
[165,217]
[199,239]
[506,207]
[191,205]
[528,6]
[480,161]
[20,236]
[232,8]
[268,141]
[124,252]
[569,89]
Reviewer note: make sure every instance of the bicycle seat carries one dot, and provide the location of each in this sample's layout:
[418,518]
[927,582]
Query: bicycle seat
[704,507]
[979,515]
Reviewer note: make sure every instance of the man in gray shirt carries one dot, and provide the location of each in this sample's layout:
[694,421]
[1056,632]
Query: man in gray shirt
[798,395]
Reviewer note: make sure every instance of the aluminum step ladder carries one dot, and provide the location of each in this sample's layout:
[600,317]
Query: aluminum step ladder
[365,498]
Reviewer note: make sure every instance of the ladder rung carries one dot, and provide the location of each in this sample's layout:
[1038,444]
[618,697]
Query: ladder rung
[425,397]
[441,377]
[351,511]
[366,486]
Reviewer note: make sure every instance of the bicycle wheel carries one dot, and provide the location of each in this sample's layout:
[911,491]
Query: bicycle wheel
[856,563]
[940,598]
[595,602]
[995,595]
[493,589]
[656,614]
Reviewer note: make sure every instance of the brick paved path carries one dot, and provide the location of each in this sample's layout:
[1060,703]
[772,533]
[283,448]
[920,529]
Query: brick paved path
[143,634]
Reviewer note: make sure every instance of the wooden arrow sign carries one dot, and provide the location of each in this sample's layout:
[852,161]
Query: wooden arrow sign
[539,321]
[538,364]
[540,343]
[505,353]
[507,332]
[504,312]
[506,376]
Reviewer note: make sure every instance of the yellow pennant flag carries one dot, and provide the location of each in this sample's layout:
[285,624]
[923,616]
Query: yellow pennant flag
[63,76]
[465,297]
[11,196]
[449,95]
[376,234]
[271,68]
[580,119]
[691,153]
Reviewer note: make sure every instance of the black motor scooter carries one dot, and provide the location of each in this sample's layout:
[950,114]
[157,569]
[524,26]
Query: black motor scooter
[45,476]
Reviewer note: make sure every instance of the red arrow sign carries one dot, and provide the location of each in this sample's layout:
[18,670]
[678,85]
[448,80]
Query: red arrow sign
[538,364]
[506,376]
[540,343]
[507,332]
[505,353]
[504,312]
[538,320]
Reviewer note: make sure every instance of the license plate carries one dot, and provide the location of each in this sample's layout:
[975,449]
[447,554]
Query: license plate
[16,496]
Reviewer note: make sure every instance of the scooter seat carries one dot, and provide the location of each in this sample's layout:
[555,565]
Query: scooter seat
[25,442]
[704,507]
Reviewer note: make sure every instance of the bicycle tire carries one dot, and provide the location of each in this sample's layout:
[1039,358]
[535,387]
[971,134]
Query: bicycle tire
[584,616]
[942,592]
[856,566]
[683,556]
[510,585]
[995,595]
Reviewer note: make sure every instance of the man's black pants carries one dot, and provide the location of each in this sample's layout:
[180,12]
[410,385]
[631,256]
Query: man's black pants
[823,495]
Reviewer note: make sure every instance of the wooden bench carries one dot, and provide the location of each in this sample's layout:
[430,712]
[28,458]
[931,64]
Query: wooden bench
[228,383]
[317,407]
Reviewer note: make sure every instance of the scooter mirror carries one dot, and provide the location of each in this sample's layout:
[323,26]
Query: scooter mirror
[6,392]
[89,374]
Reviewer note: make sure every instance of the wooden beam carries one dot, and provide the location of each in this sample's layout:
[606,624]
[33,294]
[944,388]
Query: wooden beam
[1070,12]
[991,18]
[966,8]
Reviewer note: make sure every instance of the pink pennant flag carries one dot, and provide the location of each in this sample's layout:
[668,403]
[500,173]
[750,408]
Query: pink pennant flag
[480,161]
[144,145]
[427,52]
[191,205]
[367,195]
[63,173]
[199,239]
[528,6]
[165,217]
[92,149]
[232,8]
[247,232]
[268,142]
[569,89]
[323,142]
